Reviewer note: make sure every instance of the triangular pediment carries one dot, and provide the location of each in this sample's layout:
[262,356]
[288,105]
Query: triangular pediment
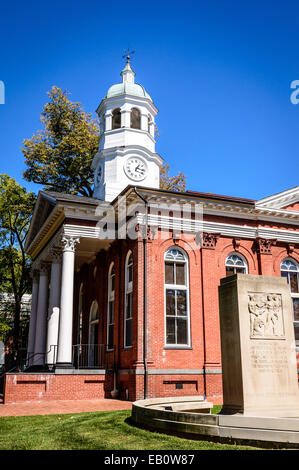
[42,209]
[286,200]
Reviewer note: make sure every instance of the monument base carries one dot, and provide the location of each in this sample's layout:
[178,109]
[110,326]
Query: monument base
[169,416]
[283,412]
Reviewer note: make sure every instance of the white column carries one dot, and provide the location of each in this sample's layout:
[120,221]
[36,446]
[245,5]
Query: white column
[64,353]
[152,129]
[144,122]
[32,324]
[41,318]
[126,118]
[108,121]
[54,307]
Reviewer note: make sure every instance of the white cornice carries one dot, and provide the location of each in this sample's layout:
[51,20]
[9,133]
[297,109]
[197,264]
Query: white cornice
[277,201]
[123,151]
[126,98]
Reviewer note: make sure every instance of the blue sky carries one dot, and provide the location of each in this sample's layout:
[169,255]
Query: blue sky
[219,72]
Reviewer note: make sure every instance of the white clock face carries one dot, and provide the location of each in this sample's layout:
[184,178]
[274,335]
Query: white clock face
[99,175]
[135,168]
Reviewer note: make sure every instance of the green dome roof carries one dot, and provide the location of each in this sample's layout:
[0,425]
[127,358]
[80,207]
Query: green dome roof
[129,89]
[128,85]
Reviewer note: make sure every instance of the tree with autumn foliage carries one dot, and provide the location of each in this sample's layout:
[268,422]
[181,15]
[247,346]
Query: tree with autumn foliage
[59,156]
[172,183]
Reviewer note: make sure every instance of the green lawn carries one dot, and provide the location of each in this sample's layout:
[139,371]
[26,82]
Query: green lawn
[107,430]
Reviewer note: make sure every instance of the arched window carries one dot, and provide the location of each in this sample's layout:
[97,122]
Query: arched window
[110,309]
[93,334]
[235,263]
[290,269]
[128,301]
[177,314]
[135,118]
[116,118]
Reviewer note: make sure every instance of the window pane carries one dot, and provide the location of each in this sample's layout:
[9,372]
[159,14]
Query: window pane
[111,312]
[181,302]
[128,333]
[296,309]
[294,282]
[169,273]
[110,336]
[129,305]
[296,326]
[229,271]
[240,270]
[113,283]
[182,331]
[170,302]
[180,274]
[170,330]
[285,274]
[130,273]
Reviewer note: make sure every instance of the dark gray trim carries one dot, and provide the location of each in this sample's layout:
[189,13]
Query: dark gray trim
[171,371]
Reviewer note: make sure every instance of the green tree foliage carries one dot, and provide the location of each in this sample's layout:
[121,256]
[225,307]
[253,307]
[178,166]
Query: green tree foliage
[59,157]
[16,205]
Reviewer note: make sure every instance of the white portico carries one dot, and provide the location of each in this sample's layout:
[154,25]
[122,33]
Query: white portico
[62,247]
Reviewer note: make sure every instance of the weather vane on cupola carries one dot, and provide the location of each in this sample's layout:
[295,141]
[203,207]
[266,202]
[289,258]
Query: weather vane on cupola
[128,54]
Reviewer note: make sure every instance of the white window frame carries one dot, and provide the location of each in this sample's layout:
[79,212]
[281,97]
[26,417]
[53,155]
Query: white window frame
[128,290]
[241,257]
[111,298]
[178,287]
[294,295]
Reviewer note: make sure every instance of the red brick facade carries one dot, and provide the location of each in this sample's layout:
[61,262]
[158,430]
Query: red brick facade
[166,370]
[206,268]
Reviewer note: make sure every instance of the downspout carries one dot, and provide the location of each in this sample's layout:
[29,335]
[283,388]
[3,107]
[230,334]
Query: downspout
[203,329]
[116,365]
[144,297]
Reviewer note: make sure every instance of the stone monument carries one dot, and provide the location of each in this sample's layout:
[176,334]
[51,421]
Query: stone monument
[259,368]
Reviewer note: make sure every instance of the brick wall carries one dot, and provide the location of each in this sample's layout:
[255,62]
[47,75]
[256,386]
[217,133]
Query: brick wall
[44,387]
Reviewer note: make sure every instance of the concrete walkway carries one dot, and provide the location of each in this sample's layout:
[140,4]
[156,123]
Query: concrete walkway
[62,407]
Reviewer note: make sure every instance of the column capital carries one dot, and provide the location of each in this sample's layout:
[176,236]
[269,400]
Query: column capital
[56,255]
[44,268]
[69,243]
[34,274]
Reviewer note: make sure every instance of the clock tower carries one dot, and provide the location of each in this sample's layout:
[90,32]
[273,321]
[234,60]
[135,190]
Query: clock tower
[126,153]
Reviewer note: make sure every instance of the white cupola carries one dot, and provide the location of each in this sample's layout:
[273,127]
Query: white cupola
[126,153]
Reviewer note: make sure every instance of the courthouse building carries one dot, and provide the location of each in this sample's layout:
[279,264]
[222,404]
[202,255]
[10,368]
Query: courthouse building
[125,283]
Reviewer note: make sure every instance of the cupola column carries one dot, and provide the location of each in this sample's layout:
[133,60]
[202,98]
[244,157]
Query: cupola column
[125,118]
[108,121]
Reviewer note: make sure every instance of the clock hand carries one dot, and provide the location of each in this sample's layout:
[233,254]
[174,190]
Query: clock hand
[139,170]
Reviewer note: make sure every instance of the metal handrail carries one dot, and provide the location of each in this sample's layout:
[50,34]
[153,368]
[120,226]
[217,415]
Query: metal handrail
[93,356]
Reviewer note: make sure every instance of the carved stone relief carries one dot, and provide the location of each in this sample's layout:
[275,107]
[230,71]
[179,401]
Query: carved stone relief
[266,315]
